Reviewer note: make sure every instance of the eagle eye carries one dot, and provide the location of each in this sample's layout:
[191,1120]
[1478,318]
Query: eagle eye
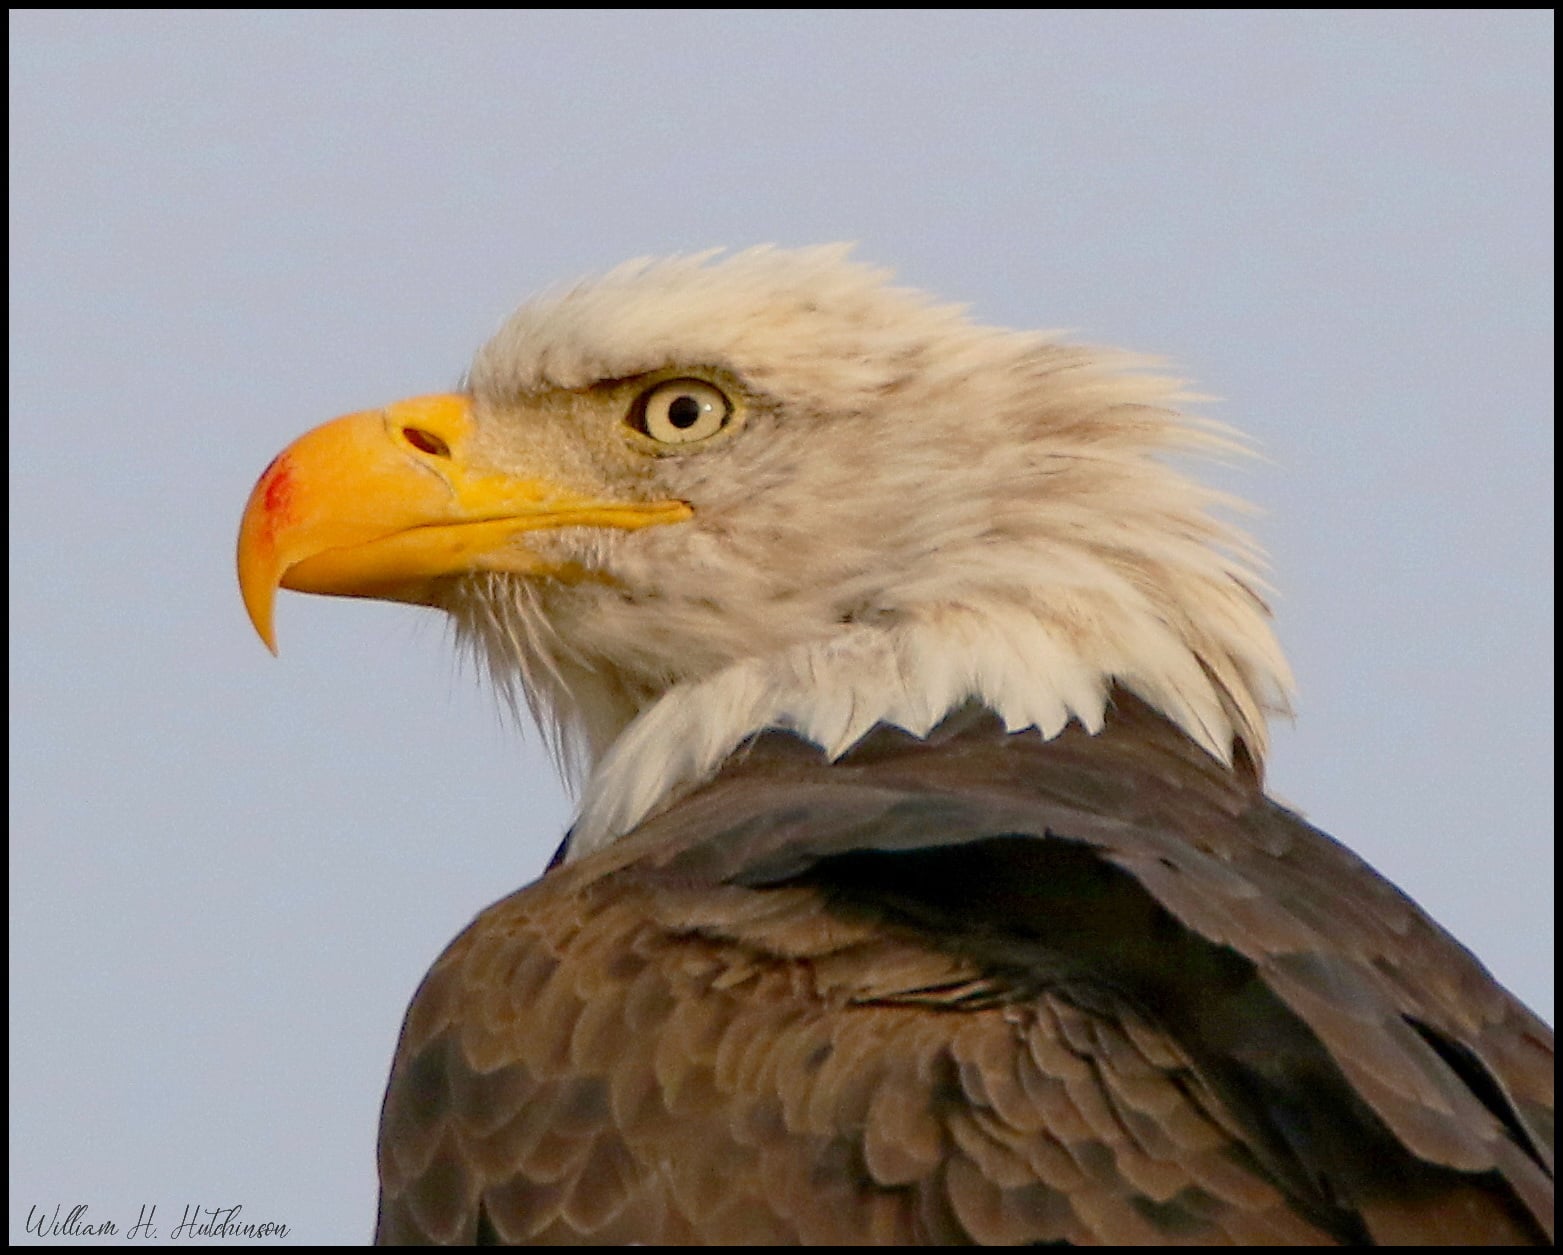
[681,411]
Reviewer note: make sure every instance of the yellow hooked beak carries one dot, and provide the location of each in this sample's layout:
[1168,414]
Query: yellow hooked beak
[381,504]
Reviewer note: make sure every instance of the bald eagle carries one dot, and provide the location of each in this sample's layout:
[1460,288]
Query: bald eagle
[924,887]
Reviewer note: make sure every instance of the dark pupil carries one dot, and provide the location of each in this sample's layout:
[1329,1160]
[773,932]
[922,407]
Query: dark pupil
[684,413]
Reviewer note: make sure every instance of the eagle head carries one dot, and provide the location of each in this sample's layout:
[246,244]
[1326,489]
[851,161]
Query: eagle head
[696,498]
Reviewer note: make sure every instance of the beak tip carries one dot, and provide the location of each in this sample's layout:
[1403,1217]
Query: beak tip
[258,570]
[259,606]
[266,632]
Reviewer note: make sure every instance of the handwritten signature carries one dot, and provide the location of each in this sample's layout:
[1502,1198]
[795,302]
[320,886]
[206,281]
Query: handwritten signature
[197,1222]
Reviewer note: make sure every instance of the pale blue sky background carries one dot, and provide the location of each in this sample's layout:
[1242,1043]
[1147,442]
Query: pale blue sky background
[228,872]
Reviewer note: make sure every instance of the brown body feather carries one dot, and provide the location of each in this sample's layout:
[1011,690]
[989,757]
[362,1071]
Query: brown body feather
[972,988]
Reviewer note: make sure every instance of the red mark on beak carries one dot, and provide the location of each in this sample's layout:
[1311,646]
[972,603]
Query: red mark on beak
[277,495]
[278,478]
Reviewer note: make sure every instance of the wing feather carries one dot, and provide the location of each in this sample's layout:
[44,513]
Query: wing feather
[972,988]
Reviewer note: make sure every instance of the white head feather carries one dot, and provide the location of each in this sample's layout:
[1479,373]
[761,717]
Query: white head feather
[918,512]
